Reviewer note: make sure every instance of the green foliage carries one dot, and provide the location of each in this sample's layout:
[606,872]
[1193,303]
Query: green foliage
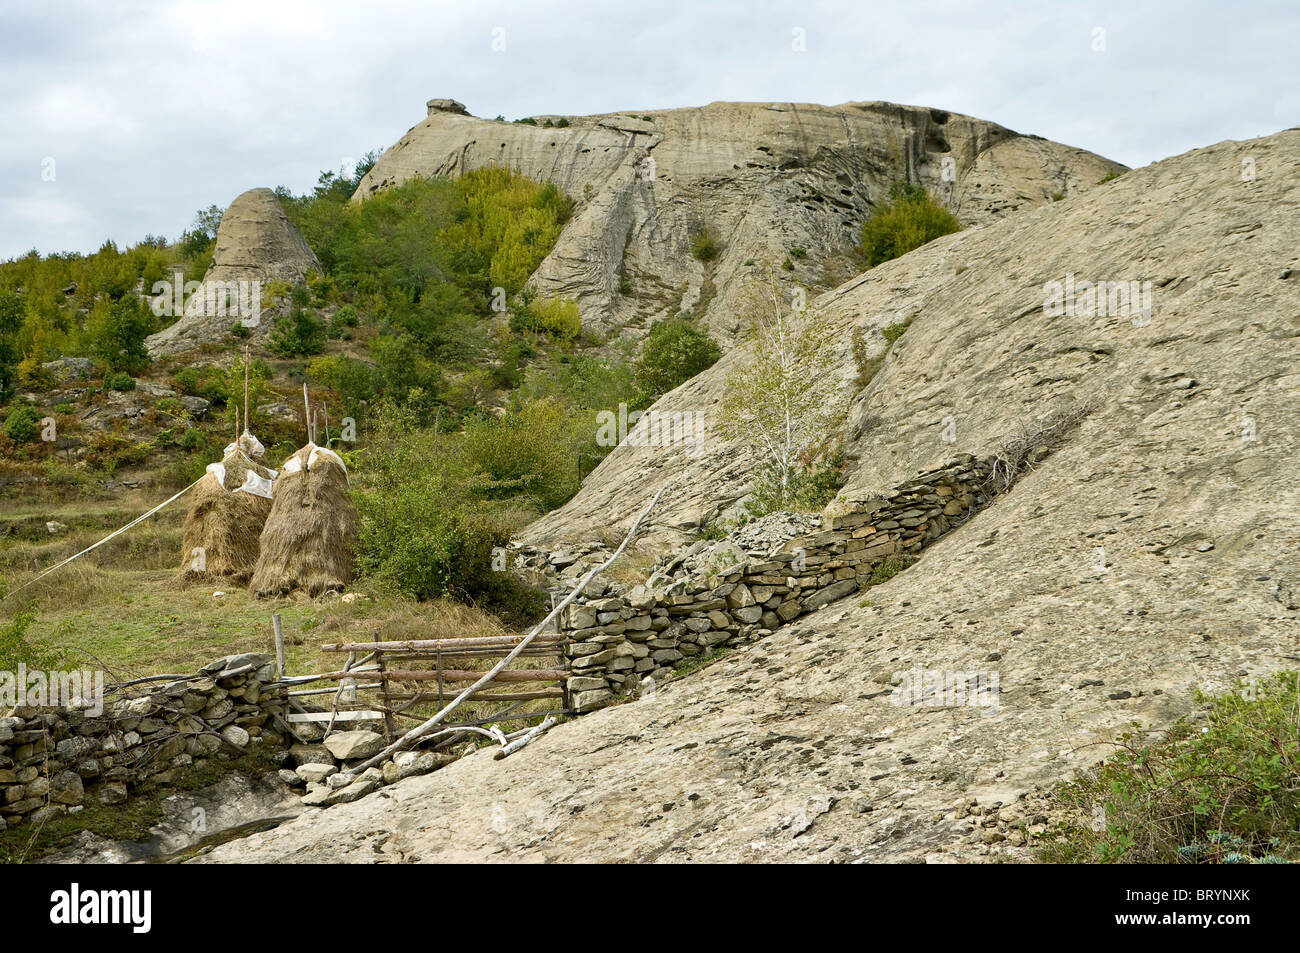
[811,485]
[1222,790]
[13,313]
[527,456]
[207,382]
[562,123]
[895,331]
[121,381]
[23,423]
[300,332]
[1110,176]
[117,331]
[704,246]
[17,647]
[800,253]
[432,523]
[557,318]
[674,351]
[908,220]
[349,380]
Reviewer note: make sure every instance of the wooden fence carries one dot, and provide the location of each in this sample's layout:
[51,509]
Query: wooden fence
[398,677]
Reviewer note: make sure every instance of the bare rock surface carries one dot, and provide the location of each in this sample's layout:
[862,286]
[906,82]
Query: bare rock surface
[764,178]
[1150,556]
[981,357]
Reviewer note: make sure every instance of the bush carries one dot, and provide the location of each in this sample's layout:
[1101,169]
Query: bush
[208,382]
[23,423]
[557,318]
[300,332]
[908,220]
[1222,790]
[704,246]
[674,351]
[528,456]
[32,376]
[120,381]
[117,332]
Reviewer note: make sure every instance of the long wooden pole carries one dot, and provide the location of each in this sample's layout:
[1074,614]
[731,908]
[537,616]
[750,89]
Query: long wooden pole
[421,731]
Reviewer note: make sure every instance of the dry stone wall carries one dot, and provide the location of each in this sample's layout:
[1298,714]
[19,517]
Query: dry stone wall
[54,760]
[734,596]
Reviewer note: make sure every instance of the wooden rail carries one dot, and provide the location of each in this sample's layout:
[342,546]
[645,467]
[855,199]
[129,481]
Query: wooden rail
[391,671]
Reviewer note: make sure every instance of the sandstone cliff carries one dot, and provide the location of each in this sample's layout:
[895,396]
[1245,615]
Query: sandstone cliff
[764,178]
[256,242]
[1150,556]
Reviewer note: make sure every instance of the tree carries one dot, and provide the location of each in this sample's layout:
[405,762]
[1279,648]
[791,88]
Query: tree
[117,333]
[13,313]
[674,351]
[775,400]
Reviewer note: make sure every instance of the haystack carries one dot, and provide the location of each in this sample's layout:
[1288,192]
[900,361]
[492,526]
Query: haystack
[227,511]
[308,540]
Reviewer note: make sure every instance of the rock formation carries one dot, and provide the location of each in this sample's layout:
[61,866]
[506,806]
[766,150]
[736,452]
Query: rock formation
[763,178]
[256,242]
[1151,555]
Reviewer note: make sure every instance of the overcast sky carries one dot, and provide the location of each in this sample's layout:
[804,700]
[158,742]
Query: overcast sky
[121,119]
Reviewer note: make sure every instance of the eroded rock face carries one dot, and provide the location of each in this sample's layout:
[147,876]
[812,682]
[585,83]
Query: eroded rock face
[982,356]
[256,242]
[764,178]
[1150,556]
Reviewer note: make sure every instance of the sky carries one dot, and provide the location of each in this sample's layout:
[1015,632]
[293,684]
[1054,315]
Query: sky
[121,119]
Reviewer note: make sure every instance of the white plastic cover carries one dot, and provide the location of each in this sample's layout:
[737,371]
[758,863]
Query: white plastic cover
[257,485]
[247,443]
[219,471]
[327,454]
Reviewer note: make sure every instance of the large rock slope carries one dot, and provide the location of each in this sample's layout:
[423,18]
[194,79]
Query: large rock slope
[982,352]
[791,749]
[763,177]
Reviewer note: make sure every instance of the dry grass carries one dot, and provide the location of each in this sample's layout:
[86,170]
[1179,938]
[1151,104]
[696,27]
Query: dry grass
[308,542]
[223,527]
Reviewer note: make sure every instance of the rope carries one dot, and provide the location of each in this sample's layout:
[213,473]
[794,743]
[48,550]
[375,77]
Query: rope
[117,532]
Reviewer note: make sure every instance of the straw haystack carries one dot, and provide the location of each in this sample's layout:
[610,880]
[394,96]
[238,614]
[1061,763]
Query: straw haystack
[308,540]
[227,511]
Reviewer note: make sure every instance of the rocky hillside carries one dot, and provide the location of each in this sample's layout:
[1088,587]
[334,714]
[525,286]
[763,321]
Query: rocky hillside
[763,178]
[1150,556]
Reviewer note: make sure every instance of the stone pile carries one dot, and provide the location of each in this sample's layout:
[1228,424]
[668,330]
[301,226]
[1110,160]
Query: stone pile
[55,760]
[317,762]
[759,578]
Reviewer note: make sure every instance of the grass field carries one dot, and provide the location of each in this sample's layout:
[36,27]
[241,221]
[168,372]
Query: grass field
[118,607]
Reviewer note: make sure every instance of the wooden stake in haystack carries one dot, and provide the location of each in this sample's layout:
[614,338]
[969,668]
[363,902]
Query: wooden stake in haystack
[229,508]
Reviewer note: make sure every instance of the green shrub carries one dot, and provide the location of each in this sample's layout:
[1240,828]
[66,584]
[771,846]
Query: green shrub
[23,423]
[908,220]
[17,647]
[121,381]
[527,456]
[704,246]
[300,332]
[1224,788]
[557,318]
[208,382]
[673,352]
[1110,176]
[895,331]
[193,439]
[562,123]
[800,253]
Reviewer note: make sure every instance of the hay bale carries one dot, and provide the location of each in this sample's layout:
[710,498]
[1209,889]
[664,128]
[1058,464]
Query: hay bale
[309,537]
[220,537]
